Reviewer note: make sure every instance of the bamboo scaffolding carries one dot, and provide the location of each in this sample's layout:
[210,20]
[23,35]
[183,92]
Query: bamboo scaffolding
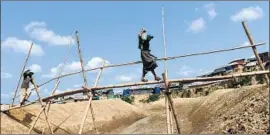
[42,110]
[54,89]
[254,50]
[170,100]
[36,119]
[58,79]
[167,107]
[187,80]
[81,60]
[89,105]
[166,58]
[27,57]
[17,107]
[86,84]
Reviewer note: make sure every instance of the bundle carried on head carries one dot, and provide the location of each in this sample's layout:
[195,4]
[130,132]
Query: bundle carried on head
[28,73]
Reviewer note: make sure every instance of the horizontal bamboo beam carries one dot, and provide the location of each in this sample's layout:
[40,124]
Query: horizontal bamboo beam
[16,107]
[85,89]
[220,77]
[165,58]
[81,90]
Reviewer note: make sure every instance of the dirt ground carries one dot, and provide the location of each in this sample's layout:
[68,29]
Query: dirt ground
[66,118]
[242,110]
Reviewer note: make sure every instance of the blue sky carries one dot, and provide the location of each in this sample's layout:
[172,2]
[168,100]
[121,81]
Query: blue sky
[108,31]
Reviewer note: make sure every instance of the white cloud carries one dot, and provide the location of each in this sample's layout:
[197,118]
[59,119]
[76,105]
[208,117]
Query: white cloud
[69,67]
[22,46]
[35,68]
[197,25]
[185,71]
[96,62]
[5,75]
[211,10]
[78,85]
[124,78]
[74,66]
[38,30]
[245,44]
[61,91]
[248,14]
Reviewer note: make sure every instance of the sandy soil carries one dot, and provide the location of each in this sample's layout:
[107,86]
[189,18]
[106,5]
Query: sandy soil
[242,110]
[66,118]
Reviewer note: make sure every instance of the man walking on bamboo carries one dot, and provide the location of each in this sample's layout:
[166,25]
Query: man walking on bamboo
[27,78]
[148,60]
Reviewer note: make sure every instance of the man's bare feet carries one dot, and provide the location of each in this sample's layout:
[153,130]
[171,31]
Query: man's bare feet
[144,80]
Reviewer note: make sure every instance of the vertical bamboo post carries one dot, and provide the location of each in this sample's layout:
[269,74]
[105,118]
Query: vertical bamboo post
[81,60]
[27,57]
[171,119]
[170,100]
[251,41]
[89,105]
[168,112]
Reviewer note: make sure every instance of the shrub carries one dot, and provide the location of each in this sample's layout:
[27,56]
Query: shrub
[153,98]
[129,99]
[243,81]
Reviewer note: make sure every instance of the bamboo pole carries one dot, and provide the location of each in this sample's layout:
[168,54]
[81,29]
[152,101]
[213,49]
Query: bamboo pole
[251,41]
[40,101]
[81,60]
[187,80]
[29,52]
[36,119]
[170,100]
[89,105]
[167,58]
[58,79]
[168,112]
[17,107]
[54,89]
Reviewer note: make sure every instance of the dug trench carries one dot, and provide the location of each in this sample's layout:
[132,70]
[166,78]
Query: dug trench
[241,110]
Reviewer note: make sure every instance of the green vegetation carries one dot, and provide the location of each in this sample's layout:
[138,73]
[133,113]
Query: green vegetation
[151,98]
[129,99]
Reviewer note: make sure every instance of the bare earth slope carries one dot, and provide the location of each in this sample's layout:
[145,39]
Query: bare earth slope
[66,118]
[243,110]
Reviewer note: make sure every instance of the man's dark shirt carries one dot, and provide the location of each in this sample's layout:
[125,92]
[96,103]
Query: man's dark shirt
[26,81]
